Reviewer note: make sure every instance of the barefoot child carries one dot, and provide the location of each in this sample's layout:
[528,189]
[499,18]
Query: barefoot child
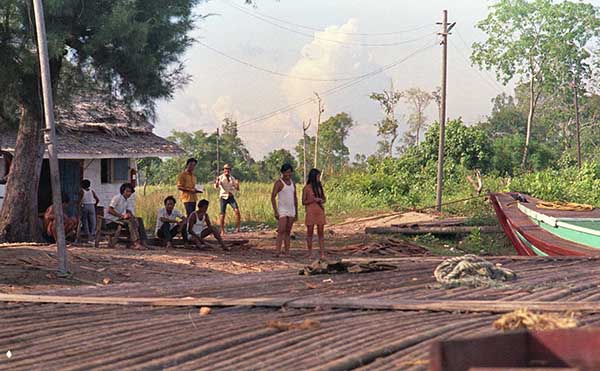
[88,201]
[199,226]
[313,198]
[286,209]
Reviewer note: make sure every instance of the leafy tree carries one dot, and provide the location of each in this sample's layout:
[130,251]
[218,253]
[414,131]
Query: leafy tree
[131,49]
[269,167]
[507,117]
[419,100]
[526,39]
[387,128]
[333,153]
[465,145]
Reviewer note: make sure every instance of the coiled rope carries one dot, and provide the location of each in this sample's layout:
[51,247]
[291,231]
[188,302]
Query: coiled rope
[564,206]
[471,270]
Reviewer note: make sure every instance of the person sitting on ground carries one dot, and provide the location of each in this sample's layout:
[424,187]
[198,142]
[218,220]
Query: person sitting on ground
[88,201]
[169,222]
[227,186]
[122,209]
[199,226]
[286,208]
[70,223]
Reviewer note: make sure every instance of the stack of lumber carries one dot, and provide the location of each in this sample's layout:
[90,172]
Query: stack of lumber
[390,247]
[442,226]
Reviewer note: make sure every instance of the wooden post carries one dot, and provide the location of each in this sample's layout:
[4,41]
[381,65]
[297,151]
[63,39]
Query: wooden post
[218,154]
[304,129]
[577,126]
[50,135]
[321,110]
[440,170]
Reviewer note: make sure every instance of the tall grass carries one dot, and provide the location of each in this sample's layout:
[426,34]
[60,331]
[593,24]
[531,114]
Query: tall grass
[254,200]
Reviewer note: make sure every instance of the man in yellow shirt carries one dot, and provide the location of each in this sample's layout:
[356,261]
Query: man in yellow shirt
[186,184]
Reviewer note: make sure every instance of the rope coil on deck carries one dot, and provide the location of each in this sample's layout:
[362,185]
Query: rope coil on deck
[564,206]
[470,270]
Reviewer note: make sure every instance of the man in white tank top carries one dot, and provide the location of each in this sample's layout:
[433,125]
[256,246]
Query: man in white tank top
[285,207]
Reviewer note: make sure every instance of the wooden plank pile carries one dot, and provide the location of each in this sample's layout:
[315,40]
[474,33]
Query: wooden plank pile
[390,246]
[443,226]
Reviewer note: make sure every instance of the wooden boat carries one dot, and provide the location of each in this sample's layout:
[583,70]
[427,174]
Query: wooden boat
[536,231]
[571,349]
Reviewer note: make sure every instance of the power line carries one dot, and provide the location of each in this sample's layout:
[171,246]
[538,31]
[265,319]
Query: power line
[479,72]
[483,79]
[311,36]
[331,91]
[416,28]
[276,73]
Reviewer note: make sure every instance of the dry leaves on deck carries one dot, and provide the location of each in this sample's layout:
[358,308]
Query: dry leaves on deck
[325,267]
[307,324]
[524,319]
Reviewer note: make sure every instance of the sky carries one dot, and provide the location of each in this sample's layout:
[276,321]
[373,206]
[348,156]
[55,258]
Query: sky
[342,49]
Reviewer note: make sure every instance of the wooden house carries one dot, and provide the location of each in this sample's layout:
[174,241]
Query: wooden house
[98,141]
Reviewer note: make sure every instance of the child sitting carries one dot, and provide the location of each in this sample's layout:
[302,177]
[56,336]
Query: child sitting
[199,226]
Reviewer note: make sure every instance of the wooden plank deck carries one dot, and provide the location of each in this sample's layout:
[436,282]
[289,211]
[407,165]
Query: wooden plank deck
[84,336]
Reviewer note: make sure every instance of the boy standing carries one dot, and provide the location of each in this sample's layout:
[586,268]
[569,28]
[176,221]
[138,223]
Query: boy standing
[227,186]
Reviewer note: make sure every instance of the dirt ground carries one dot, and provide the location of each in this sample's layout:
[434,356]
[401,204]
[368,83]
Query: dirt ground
[32,267]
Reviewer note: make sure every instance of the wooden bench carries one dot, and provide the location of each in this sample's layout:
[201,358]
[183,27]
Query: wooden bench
[114,236]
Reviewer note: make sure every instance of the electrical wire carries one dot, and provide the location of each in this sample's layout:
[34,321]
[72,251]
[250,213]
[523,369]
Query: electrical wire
[331,91]
[276,73]
[479,72]
[311,36]
[416,28]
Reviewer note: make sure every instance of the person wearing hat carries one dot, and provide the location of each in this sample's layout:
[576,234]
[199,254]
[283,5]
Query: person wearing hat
[227,186]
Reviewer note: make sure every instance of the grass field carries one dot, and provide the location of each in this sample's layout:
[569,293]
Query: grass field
[254,200]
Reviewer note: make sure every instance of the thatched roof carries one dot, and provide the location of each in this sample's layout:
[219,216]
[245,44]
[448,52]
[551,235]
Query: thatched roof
[92,128]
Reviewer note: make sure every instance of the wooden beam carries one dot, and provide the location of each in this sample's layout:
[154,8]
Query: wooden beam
[341,303]
[433,230]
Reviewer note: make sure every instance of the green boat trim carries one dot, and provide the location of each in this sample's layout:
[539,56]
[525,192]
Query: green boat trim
[572,235]
[585,231]
[537,251]
[537,216]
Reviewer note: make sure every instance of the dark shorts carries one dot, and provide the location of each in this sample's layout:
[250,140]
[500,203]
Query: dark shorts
[190,207]
[230,201]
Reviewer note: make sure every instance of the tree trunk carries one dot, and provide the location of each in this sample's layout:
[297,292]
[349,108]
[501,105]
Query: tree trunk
[529,121]
[19,215]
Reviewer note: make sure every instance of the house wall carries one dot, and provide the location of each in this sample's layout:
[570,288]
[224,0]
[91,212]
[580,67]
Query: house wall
[106,191]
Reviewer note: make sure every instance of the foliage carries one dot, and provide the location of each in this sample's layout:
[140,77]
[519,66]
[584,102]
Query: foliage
[269,168]
[568,184]
[387,128]
[465,145]
[333,152]
[418,100]
[540,42]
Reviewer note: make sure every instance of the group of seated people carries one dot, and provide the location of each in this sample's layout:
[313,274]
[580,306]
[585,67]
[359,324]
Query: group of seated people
[170,222]
[121,211]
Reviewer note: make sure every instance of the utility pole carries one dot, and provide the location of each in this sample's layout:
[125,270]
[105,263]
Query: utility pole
[577,126]
[218,154]
[50,135]
[440,173]
[321,108]
[304,129]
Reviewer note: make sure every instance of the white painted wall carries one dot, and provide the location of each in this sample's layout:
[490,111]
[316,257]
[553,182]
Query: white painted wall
[106,191]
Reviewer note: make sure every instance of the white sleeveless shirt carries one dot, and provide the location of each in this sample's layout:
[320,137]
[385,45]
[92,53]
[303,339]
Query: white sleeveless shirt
[200,224]
[88,197]
[285,200]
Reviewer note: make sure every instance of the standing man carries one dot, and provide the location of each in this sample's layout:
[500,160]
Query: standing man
[186,184]
[227,186]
